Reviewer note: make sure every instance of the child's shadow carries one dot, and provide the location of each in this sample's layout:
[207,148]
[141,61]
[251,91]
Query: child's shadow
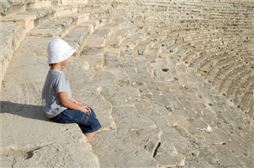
[23,110]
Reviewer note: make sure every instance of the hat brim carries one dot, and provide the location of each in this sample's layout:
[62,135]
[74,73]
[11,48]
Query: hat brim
[64,56]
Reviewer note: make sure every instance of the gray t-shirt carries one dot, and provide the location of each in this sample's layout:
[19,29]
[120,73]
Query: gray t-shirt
[55,82]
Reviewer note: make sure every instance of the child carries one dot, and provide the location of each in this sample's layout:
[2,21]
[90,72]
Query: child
[57,100]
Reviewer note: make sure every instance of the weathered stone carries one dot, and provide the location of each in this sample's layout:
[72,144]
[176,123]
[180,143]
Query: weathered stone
[127,117]
[98,39]
[110,145]
[34,148]
[147,138]
[77,37]
[168,92]
[58,26]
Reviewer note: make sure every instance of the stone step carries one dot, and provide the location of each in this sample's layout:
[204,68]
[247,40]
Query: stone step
[127,117]
[98,38]
[247,100]
[76,2]
[231,75]
[217,68]
[8,7]
[99,34]
[123,150]
[78,35]
[120,96]
[35,48]
[65,10]
[222,78]
[41,14]
[207,64]
[39,4]
[131,40]
[246,87]
[33,149]
[141,66]
[12,36]
[11,7]
[114,40]
[33,17]
[90,93]
[164,161]
[150,56]
[111,59]
[223,71]
[167,153]
[93,58]
[59,26]
[12,45]
[118,34]
[26,21]
[155,110]
[236,85]
[28,92]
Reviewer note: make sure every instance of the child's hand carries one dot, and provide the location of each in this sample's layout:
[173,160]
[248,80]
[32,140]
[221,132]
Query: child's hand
[75,101]
[85,109]
[81,104]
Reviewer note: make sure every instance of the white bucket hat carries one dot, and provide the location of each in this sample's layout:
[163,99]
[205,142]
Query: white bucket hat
[59,50]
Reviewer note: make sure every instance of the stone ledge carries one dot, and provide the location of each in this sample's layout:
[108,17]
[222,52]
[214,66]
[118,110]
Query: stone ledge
[64,143]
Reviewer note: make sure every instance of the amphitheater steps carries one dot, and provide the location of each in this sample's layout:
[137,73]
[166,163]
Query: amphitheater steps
[230,75]
[33,17]
[14,7]
[130,56]
[26,92]
[24,22]
[12,35]
[155,108]
[78,36]
[58,26]
[220,71]
[207,64]
[42,14]
[219,68]
[79,2]
[190,107]
[14,39]
[97,39]
[247,100]
[221,65]
[247,87]
[236,84]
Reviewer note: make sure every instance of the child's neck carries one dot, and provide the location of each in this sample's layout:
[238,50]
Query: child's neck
[56,67]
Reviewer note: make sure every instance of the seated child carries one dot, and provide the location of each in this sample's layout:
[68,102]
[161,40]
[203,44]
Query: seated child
[57,100]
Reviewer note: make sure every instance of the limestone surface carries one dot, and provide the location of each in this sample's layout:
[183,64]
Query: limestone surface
[170,81]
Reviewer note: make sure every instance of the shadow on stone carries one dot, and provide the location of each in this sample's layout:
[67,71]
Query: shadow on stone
[24,110]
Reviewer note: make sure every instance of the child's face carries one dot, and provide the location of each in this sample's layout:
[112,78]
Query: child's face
[65,62]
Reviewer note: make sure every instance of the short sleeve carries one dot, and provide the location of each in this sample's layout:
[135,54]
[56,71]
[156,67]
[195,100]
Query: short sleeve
[60,84]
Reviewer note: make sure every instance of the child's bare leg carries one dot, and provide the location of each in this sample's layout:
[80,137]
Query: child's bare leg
[90,136]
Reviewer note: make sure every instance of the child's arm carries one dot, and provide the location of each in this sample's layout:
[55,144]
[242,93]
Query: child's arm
[68,102]
[76,102]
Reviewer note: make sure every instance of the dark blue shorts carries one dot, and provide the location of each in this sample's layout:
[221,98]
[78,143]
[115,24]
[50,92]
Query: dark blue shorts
[87,122]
